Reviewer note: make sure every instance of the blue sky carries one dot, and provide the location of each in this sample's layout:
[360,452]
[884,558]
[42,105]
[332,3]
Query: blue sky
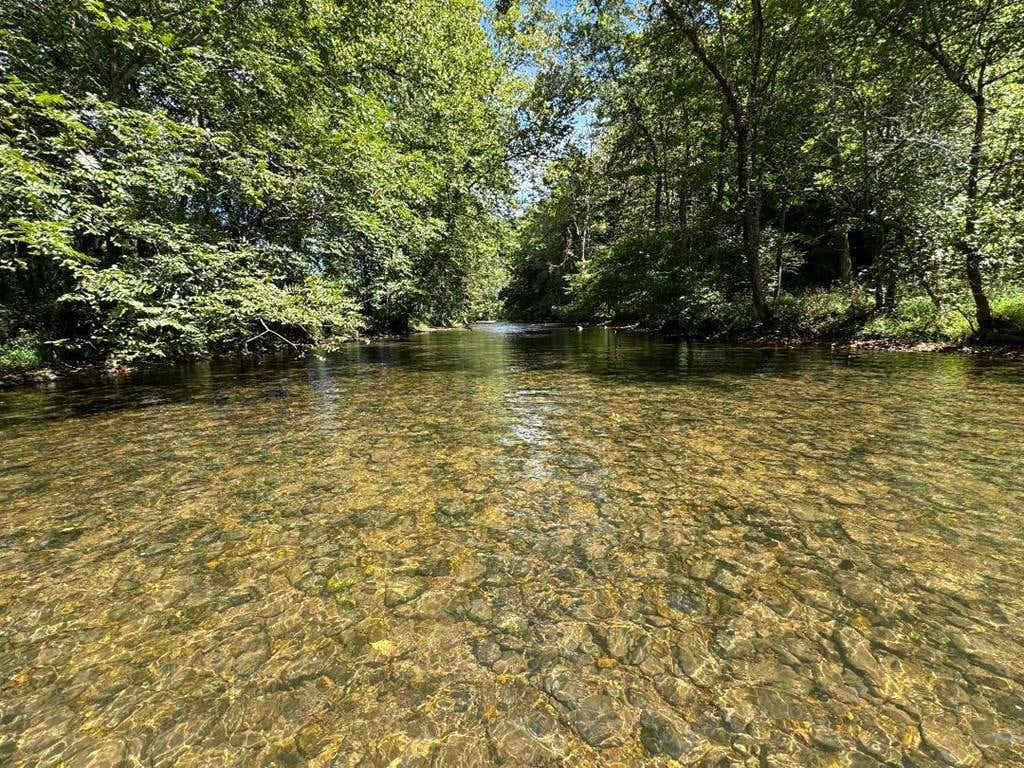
[529,179]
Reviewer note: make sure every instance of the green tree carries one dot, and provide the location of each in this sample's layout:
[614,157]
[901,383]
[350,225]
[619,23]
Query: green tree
[977,47]
[183,177]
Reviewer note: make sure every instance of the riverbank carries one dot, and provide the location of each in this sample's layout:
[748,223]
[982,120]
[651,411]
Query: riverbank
[26,360]
[845,319]
[43,375]
[1009,351]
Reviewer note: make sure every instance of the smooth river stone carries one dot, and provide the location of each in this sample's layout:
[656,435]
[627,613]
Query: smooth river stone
[598,722]
[949,744]
[664,735]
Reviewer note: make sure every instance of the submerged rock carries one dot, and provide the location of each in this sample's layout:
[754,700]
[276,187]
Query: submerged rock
[664,735]
[694,660]
[674,690]
[949,744]
[598,722]
[342,582]
[401,591]
[856,651]
[566,687]
[728,581]
[516,743]
[310,740]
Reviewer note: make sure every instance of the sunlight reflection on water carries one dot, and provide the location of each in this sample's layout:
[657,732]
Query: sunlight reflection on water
[518,545]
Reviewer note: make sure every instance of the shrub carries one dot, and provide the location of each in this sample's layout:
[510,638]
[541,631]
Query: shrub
[23,353]
[1008,312]
[918,319]
[200,301]
[822,314]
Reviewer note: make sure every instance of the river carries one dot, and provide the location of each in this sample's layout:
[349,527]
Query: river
[519,546]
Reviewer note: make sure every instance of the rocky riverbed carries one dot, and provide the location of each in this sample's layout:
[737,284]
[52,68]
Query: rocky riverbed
[519,549]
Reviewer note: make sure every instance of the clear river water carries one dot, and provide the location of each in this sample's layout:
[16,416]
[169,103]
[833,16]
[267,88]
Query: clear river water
[517,546]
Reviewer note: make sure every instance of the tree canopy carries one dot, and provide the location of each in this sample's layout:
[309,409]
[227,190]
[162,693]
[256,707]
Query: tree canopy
[181,176]
[745,157]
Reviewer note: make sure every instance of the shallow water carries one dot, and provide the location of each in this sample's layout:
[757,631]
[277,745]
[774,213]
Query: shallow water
[518,546]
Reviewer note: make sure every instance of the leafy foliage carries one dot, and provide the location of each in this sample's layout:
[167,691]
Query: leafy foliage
[180,177]
[824,168]
[20,354]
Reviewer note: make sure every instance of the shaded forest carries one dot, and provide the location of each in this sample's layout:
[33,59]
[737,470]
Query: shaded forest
[824,169]
[187,177]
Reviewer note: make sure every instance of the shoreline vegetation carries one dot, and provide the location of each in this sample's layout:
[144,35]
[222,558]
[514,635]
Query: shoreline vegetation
[31,373]
[181,180]
[842,171]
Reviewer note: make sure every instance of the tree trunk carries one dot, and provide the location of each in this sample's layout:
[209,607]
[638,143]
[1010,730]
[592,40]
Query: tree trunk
[723,143]
[684,188]
[968,246]
[780,251]
[684,224]
[875,244]
[658,187]
[845,263]
[655,157]
[750,214]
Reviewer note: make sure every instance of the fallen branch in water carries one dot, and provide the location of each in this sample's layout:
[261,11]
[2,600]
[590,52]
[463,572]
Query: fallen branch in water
[267,330]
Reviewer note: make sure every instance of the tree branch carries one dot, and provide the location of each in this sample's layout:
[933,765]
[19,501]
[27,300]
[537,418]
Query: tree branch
[727,88]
